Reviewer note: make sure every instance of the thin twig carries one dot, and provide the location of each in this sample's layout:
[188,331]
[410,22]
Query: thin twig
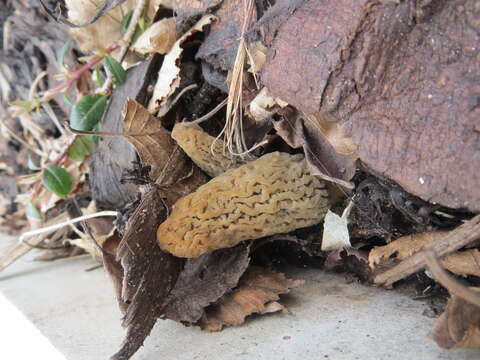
[449,282]
[452,241]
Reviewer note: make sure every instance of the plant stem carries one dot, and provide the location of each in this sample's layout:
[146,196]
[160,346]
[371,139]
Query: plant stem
[126,40]
[75,75]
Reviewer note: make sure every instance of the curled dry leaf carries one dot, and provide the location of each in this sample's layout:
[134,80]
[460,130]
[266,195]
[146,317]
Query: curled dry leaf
[158,38]
[459,326]
[322,157]
[204,280]
[169,75]
[205,151]
[263,105]
[271,195]
[257,292]
[460,262]
[334,133]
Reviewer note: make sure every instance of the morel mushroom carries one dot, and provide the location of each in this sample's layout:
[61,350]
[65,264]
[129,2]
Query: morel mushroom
[271,195]
[205,151]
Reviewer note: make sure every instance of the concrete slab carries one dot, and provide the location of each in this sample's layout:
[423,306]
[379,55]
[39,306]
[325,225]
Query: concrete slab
[330,319]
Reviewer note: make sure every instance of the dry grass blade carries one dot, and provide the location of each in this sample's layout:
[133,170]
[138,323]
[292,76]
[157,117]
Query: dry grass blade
[233,130]
[17,250]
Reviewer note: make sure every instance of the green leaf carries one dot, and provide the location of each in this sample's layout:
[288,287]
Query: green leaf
[62,52]
[32,211]
[88,111]
[81,148]
[125,22]
[98,77]
[30,164]
[115,69]
[57,180]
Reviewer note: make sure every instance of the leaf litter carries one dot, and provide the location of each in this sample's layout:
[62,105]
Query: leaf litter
[216,185]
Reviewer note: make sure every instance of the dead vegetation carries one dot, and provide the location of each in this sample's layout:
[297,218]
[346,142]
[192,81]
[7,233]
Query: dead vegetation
[186,143]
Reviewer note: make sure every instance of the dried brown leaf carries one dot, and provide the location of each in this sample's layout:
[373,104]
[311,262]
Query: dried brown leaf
[155,146]
[257,292]
[169,75]
[459,326]
[158,38]
[460,262]
[204,280]
[170,167]
[323,159]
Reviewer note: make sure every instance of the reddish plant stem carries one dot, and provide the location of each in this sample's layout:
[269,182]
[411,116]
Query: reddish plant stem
[75,75]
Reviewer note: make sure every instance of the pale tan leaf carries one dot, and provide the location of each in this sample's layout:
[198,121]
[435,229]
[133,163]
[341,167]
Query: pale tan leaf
[158,38]
[257,56]
[257,292]
[102,33]
[106,30]
[169,75]
[460,262]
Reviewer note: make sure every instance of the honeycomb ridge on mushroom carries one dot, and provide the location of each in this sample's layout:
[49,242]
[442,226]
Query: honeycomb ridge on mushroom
[273,194]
